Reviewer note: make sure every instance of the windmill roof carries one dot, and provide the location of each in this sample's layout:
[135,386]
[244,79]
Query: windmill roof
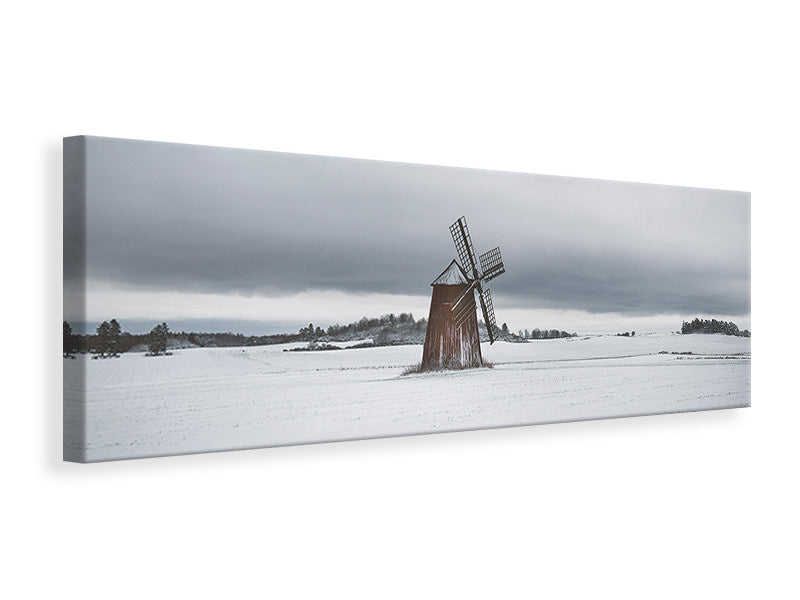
[452,275]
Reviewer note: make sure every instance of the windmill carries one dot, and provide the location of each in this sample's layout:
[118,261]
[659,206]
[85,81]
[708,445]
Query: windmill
[452,339]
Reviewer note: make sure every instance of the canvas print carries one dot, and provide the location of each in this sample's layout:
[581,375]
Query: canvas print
[221,299]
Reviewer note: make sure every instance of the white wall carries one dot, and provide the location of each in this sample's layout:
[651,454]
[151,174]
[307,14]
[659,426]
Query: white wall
[695,93]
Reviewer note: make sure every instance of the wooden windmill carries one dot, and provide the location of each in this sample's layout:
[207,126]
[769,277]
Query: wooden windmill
[452,340]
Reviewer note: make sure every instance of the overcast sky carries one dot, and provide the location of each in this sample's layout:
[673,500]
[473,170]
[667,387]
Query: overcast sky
[192,232]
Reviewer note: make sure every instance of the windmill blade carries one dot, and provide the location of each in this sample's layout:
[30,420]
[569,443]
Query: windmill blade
[466,254]
[465,314]
[492,264]
[488,313]
[464,305]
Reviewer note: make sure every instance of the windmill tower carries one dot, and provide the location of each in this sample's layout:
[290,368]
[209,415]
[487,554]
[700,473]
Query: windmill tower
[452,340]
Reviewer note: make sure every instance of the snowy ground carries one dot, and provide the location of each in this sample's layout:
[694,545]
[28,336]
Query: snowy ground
[207,399]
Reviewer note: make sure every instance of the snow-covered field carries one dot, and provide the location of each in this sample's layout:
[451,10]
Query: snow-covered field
[207,399]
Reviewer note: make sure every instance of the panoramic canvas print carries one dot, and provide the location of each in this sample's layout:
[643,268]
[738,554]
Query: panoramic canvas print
[222,299]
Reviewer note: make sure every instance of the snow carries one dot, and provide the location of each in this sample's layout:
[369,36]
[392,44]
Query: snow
[210,399]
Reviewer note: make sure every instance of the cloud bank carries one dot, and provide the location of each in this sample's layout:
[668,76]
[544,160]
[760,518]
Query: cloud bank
[210,221]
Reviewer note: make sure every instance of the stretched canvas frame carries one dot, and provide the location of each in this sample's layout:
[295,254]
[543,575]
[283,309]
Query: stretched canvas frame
[194,277]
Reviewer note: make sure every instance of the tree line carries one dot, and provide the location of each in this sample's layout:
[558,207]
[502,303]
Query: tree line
[713,326]
[109,341]
[386,330]
[388,323]
[537,334]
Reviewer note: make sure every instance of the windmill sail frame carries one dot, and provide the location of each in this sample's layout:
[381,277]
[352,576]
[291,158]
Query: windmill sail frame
[491,266]
[488,314]
[463,242]
[463,307]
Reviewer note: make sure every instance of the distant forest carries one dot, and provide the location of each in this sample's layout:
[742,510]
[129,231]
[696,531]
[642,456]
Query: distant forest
[537,334]
[713,326]
[109,339]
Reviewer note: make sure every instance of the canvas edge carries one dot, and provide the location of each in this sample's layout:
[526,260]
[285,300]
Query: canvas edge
[74,280]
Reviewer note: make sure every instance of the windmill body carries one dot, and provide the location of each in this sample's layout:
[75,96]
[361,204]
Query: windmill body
[448,343]
[452,340]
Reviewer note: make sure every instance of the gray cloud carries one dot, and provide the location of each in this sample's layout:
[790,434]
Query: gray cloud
[203,219]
